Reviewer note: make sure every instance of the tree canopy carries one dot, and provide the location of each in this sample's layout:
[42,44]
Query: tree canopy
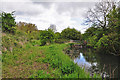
[69,33]
[8,22]
[106,36]
[27,27]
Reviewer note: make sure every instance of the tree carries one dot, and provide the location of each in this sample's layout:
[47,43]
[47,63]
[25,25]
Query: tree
[114,20]
[106,36]
[57,35]
[53,27]
[109,44]
[47,36]
[27,27]
[8,22]
[69,33]
[98,15]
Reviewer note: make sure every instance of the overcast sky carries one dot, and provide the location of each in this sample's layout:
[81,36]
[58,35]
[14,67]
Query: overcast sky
[70,13]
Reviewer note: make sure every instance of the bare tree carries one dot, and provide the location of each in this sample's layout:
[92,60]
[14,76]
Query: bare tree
[98,14]
[53,27]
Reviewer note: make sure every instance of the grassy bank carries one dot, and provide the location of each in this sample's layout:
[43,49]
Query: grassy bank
[20,58]
[41,62]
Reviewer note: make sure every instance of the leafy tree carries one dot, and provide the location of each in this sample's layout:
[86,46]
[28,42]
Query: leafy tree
[109,44]
[35,34]
[57,35]
[71,34]
[27,27]
[8,22]
[89,32]
[47,36]
[106,36]
[114,20]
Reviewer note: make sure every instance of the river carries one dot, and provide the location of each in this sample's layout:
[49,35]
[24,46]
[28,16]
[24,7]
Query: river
[105,65]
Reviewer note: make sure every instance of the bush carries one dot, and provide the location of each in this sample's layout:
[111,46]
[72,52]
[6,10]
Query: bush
[61,41]
[68,68]
[92,41]
[109,44]
[35,42]
[47,36]
[8,23]
[9,42]
[69,33]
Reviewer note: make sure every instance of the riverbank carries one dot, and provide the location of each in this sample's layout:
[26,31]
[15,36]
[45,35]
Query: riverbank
[40,62]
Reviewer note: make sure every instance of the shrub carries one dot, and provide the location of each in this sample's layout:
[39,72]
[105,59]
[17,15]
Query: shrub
[68,68]
[92,41]
[8,23]
[61,41]
[35,42]
[69,33]
[47,36]
[109,44]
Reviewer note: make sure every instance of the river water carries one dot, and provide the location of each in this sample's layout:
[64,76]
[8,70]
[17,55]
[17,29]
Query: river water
[104,64]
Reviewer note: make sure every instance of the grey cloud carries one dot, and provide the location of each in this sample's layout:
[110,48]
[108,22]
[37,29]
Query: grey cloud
[45,4]
[21,8]
[27,13]
[33,11]
[73,7]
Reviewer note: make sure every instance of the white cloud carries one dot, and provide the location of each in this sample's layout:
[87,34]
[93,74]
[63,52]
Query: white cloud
[61,14]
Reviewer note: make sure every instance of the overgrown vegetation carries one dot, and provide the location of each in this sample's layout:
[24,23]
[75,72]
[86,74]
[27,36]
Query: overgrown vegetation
[8,22]
[40,62]
[104,34]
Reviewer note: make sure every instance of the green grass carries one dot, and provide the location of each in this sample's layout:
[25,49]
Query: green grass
[41,62]
[31,61]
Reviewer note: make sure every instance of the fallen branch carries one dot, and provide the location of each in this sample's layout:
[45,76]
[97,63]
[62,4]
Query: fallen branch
[114,71]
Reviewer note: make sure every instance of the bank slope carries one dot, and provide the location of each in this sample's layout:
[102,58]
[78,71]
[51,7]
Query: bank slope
[40,62]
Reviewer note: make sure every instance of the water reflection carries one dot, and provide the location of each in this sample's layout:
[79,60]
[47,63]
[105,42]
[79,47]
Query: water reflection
[80,60]
[97,63]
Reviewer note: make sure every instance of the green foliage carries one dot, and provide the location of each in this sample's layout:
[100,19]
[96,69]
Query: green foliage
[62,62]
[109,44]
[90,32]
[20,33]
[92,41]
[106,39]
[36,42]
[22,53]
[59,64]
[35,35]
[71,34]
[9,42]
[57,35]
[68,68]
[26,27]
[47,36]
[41,74]
[61,41]
[103,42]
[8,22]
[114,20]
